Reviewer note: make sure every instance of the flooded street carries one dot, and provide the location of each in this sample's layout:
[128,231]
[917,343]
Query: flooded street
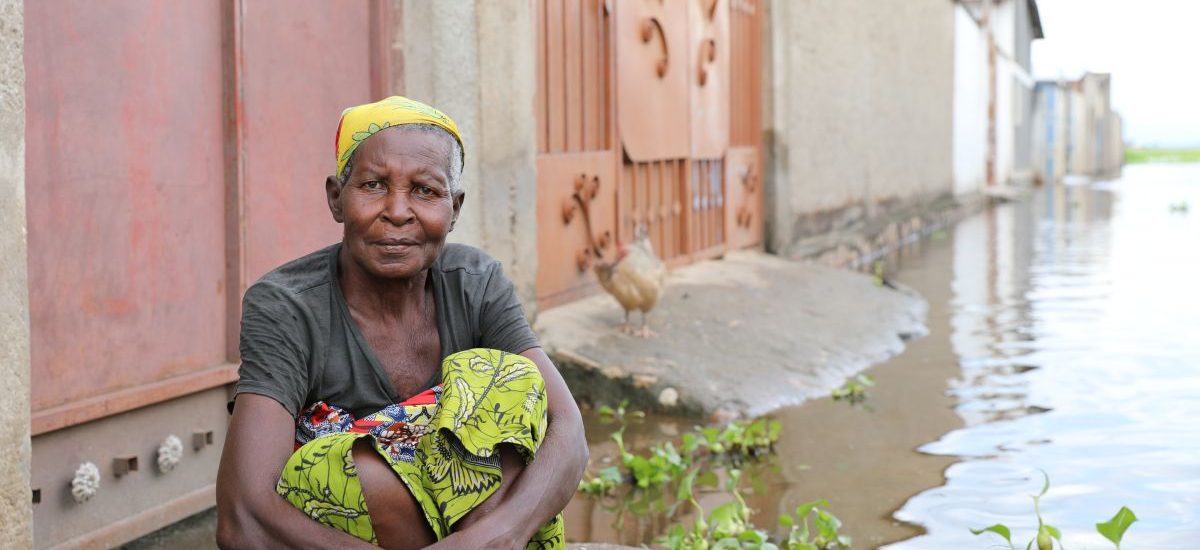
[1064,335]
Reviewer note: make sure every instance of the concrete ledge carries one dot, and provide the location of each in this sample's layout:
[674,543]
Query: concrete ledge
[740,336]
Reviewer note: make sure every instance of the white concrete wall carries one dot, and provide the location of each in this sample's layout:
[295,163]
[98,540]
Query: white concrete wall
[1005,119]
[970,103]
[1078,147]
[857,111]
[15,504]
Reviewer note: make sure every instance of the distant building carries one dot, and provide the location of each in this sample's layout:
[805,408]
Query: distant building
[993,92]
[1076,132]
[1051,131]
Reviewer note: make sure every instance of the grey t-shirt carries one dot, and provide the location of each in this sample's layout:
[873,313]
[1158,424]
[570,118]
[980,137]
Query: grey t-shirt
[299,344]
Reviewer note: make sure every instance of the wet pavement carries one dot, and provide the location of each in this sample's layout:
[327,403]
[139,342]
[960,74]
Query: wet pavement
[1064,335]
[741,336]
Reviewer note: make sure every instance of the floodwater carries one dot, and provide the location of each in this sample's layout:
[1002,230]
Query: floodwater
[1064,337]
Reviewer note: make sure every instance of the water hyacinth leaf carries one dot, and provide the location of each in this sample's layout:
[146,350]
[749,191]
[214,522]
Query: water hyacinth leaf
[1114,529]
[803,510]
[827,525]
[1054,532]
[774,428]
[726,544]
[708,479]
[999,529]
[611,474]
[726,520]
[685,486]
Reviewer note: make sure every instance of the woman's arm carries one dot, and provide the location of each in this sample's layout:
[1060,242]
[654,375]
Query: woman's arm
[546,485]
[249,512]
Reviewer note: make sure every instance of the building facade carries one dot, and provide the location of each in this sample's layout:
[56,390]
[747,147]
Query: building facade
[993,104]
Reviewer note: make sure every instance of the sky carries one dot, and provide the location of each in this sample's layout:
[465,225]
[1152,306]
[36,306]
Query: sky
[1152,49]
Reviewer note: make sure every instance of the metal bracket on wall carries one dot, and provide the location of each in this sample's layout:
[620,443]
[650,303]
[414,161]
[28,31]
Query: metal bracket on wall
[202,439]
[750,183]
[122,465]
[649,26]
[586,190]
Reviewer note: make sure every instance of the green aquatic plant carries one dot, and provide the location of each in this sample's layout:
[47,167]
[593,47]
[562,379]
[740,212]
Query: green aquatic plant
[693,463]
[855,389]
[602,483]
[621,414]
[824,537]
[665,463]
[1047,535]
[727,526]
[1114,529]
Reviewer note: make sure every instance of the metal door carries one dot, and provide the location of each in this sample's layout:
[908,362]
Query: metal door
[175,151]
[649,115]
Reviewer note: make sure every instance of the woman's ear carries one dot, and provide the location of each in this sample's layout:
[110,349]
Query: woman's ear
[333,195]
[458,202]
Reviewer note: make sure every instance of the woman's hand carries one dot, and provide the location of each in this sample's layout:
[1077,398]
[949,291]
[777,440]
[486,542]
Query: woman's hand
[493,531]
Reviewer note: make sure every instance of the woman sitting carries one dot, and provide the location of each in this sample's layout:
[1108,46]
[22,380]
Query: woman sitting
[390,387]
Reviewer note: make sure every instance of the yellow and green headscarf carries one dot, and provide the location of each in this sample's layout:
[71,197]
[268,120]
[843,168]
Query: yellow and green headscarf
[361,122]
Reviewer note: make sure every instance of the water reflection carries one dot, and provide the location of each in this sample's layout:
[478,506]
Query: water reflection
[1064,335]
[1083,309]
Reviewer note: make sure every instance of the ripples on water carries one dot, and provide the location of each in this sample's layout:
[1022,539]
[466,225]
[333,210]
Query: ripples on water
[1078,336]
[1064,335]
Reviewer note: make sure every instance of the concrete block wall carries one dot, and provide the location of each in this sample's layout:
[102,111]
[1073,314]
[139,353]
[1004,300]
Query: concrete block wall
[15,507]
[474,59]
[859,106]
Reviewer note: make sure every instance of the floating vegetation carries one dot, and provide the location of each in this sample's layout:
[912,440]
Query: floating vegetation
[855,389]
[1047,535]
[694,463]
[665,463]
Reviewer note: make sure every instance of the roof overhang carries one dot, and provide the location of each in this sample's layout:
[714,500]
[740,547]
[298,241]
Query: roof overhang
[1035,19]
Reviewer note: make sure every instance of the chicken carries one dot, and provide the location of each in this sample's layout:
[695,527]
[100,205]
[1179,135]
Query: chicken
[635,279]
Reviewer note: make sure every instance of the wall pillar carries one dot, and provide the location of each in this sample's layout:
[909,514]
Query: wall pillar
[15,504]
[474,60]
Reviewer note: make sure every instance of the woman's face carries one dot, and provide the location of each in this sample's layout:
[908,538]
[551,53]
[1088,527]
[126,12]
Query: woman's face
[396,206]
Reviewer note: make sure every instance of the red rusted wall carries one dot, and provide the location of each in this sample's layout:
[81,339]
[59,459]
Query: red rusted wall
[302,67]
[125,196]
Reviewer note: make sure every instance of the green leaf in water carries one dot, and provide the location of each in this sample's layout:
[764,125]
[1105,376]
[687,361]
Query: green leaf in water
[999,529]
[685,486]
[1114,529]
[803,510]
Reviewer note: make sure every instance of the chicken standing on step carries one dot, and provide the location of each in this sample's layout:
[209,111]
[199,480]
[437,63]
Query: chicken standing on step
[635,279]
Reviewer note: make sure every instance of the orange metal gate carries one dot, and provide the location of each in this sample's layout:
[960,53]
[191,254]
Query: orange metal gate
[175,152]
[648,115]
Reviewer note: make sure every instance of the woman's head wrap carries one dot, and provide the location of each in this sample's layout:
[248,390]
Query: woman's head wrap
[361,122]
